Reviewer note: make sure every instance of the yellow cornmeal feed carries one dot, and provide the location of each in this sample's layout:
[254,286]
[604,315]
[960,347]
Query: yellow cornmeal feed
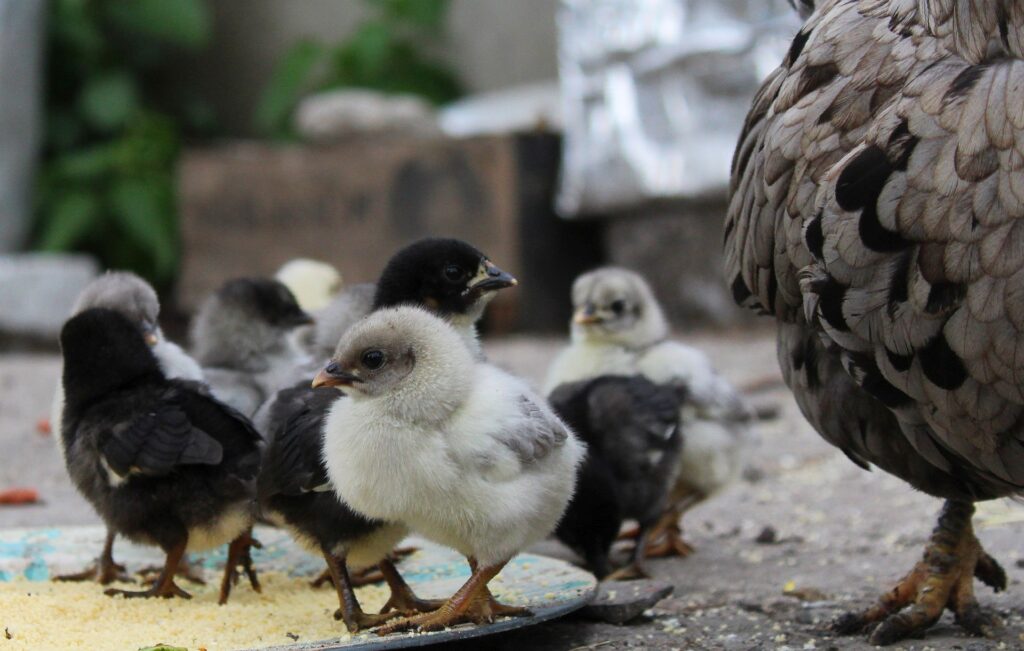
[43,615]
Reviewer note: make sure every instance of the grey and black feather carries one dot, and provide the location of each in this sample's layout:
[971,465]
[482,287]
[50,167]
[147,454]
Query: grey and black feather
[633,436]
[877,211]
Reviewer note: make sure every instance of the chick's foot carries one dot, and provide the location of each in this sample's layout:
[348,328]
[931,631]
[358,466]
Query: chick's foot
[164,586]
[403,600]
[943,578]
[669,543]
[472,603]
[104,571]
[186,570]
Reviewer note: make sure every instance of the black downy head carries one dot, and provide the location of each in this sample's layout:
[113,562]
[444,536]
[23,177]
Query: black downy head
[103,351]
[265,299]
[446,276]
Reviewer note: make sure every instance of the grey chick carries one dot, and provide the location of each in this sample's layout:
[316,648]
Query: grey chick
[135,299]
[631,428]
[240,336]
[876,213]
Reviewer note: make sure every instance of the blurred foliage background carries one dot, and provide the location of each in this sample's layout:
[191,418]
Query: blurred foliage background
[394,50]
[112,134]
[115,126]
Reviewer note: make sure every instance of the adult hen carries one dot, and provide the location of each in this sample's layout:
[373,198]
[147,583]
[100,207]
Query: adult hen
[877,212]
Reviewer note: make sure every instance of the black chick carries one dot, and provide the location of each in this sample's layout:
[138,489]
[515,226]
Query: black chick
[456,281]
[161,461]
[631,428]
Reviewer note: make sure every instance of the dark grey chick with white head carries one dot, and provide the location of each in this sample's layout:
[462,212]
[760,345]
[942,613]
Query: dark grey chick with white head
[161,461]
[134,298]
[294,478]
[240,336]
[633,436]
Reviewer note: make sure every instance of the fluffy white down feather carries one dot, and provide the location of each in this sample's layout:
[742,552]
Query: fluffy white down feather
[459,453]
[718,431]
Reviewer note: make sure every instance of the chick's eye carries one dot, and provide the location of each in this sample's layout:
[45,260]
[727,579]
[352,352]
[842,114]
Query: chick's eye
[618,306]
[373,359]
[453,272]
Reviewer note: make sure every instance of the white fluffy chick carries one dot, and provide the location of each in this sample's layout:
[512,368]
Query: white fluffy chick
[618,327]
[460,451]
[314,283]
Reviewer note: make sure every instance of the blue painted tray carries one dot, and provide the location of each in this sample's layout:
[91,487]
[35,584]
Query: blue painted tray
[549,587]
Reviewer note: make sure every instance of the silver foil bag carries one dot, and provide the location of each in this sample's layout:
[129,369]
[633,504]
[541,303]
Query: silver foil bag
[655,92]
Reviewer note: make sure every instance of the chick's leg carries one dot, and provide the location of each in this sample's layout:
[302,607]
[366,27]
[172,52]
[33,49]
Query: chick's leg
[164,586]
[186,570]
[472,603]
[668,532]
[350,611]
[104,571]
[239,555]
[943,578]
[635,569]
[402,598]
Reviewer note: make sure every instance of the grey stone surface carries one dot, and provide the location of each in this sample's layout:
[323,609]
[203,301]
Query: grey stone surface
[618,602]
[37,291]
[842,532]
[21,58]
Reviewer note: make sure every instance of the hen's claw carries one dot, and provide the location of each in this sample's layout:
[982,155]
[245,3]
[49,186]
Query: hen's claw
[944,578]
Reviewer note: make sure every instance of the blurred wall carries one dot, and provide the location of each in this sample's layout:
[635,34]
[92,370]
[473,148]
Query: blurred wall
[492,44]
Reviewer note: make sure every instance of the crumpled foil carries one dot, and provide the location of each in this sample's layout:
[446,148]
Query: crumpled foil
[655,93]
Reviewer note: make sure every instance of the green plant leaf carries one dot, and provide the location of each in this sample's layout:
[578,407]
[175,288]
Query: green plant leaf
[370,49]
[70,218]
[84,164]
[140,208]
[185,23]
[108,99]
[290,80]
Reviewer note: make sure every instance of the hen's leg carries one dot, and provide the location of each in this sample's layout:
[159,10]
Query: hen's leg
[104,571]
[164,585]
[943,578]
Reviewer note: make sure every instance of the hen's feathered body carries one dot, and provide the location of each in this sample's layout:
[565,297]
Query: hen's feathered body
[876,212]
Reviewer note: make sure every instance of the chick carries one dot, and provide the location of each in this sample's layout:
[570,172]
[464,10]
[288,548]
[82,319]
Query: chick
[240,337]
[134,298]
[313,283]
[445,276]
[454,448]
[333,321]
[631,428]
[295,493]
[618,327]
[293,420]
[161,461]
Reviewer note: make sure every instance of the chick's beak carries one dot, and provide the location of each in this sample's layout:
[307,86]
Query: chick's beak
[490,278]
[149,334]
[333,375]
[586,315]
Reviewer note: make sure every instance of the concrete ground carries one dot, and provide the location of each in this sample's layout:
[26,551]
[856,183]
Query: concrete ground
[842,535]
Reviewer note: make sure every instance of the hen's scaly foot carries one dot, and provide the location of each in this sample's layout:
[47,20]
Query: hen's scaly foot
[943,578]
